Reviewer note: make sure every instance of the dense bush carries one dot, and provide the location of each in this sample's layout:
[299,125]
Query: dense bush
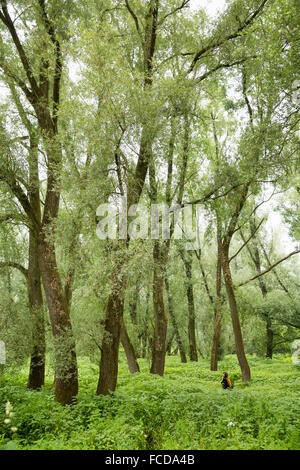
[186,409]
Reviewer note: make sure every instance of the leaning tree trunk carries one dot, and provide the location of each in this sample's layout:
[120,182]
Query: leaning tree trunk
[129,350]
[169,343]
[174,323]
[218,317]
[245,369]
[66,374]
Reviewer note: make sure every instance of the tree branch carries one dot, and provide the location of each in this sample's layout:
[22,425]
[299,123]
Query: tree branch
[58,61]
[269,269]
[6,19]
[17,190]
[180,7]
[222,66]
[135,19]
[247,241]
[228,37]
[29,95]
[18,266]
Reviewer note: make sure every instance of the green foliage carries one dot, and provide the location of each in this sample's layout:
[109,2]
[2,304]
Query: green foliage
[185,409]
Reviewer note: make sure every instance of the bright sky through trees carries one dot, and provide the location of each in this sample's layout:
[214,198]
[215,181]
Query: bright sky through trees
[211,6]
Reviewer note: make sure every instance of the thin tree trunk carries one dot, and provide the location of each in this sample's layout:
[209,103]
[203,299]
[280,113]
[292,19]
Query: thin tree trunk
[269,338]
[187,261]
[169,343]
[218,315]
[191,309]
[129,350]
[174,323]
[145,336]
[161,319]
[255,256]
[133,303]
[245,369]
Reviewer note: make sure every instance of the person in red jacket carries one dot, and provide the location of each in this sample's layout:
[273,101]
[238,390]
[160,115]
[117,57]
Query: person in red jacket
[225,381]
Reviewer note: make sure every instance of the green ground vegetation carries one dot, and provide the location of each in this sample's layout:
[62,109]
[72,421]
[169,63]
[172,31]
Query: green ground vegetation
[185,409]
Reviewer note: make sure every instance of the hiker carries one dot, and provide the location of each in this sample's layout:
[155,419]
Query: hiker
[225,381]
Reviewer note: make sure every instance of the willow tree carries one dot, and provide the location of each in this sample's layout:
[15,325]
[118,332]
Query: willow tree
[32,272]
[32,57]
[151,20]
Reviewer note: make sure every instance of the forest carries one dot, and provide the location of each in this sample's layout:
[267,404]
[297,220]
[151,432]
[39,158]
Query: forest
[149,224]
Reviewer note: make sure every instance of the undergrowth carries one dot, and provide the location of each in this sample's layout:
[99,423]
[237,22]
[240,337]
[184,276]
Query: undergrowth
[185,409]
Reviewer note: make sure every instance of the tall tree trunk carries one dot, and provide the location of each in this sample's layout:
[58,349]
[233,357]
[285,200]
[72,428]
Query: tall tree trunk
[66,374]
[37,360]
[145,335]
[160,253]
[218,315]
[109,355]
[187,259]
[169,343]
[269,338]
[134,302]
[174,323]
[112,332]
[245,369]
[44,96]
[129,350]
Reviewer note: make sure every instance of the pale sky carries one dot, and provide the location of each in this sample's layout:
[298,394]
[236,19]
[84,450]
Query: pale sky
[211,6]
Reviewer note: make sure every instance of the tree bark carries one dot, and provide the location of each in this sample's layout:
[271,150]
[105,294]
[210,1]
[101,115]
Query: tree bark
[46,84]
[66,375]
[245,369]
[174,323]
[169,343]
[160,254]
[145,334]
[37,360]
[270,335]
[187,260]
[109,355]
[218,316]
[129,350]
[112,334]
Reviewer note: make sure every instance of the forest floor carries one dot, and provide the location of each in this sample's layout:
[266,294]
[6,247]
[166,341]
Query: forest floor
[186,409]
